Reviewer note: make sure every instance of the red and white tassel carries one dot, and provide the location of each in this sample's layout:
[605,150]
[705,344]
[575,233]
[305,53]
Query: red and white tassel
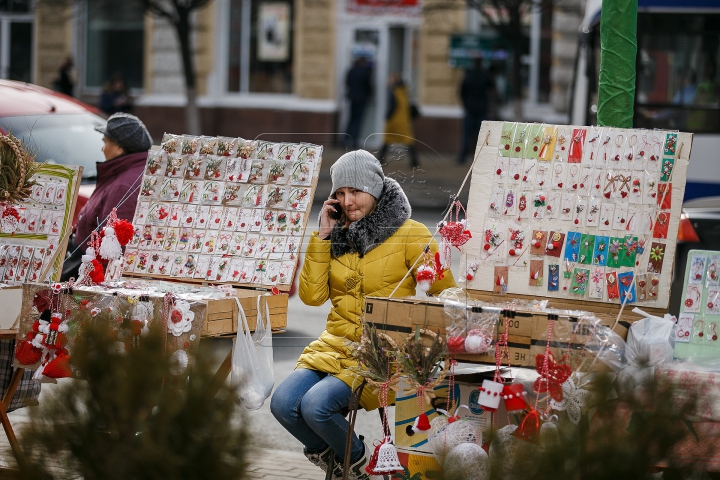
[425,276]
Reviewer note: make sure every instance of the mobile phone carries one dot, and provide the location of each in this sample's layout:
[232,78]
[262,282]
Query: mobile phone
[337,215]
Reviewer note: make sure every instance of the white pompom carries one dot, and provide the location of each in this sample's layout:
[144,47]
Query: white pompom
[110,247]
[178,362]
[467,461]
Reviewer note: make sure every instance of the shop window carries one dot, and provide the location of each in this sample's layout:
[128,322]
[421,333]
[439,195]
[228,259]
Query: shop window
[114,41]
[260,50]
[15,6]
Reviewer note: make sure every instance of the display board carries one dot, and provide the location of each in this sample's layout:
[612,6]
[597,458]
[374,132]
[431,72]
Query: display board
[224,210]
[36,250]
[589,213]
[697,331]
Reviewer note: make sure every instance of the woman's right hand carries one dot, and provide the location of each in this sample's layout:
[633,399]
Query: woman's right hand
[328,215]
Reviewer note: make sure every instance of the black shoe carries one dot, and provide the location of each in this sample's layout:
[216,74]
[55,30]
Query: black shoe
[322,460]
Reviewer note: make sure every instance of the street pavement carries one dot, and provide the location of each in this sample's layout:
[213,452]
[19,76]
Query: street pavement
[277,454]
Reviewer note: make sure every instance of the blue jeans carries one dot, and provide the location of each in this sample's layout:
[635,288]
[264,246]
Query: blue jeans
[308,403]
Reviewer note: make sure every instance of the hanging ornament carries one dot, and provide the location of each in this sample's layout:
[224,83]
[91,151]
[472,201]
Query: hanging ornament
[552,376]
[574,400]
[529,428]
[445,435]
[514,396]
[467,461]
[491,390]
[549,437]
[110,246]
[453,232]
[91,271]
[424,276]
[512,458]
[422,423]
[59,366]
[140,316]
[386,459]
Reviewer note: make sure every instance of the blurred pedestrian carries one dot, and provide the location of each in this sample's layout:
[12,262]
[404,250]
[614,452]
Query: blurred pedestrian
[398,120]
[115,97]
[64,83]
[358,84]
[126,145]
[475,91]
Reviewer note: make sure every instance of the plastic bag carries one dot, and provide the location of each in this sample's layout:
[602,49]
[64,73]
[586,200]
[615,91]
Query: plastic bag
[455,330]
[651,341]
[481,329]
[252,360]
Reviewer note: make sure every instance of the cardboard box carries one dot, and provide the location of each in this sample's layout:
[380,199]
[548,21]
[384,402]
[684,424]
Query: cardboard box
[527,334]
[222,314]
[407,409]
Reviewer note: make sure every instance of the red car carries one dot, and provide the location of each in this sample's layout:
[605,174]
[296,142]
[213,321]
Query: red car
[61,129]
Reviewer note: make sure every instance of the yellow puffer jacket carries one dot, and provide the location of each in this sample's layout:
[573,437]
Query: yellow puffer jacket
[368,258]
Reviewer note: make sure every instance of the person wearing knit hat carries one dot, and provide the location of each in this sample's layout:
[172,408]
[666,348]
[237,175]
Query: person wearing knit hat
[365,245]
[126,143]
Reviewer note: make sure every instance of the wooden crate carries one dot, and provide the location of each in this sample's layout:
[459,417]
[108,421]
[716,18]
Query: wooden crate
[222,314]
[527,335]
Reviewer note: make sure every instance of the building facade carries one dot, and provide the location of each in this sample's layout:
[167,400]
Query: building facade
[265,68]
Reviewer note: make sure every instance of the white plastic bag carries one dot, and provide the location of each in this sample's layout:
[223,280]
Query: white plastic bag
[252,360]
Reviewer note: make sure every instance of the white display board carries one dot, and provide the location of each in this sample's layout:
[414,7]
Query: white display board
[590,213]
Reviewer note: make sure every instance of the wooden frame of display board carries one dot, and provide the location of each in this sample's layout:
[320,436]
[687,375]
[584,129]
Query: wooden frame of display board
[292,163]
[45,219]
[506,155]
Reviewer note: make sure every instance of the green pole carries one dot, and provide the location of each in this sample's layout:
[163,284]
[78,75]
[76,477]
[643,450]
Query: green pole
[618,49]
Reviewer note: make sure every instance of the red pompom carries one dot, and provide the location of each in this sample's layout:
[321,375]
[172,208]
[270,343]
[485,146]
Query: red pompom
[123,231]
[27,354]
[98,274]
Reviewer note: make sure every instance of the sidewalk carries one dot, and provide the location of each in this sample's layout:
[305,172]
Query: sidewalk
[265,463]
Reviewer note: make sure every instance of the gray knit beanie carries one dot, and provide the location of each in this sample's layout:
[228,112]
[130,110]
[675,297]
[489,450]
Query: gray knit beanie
[128,132]
[359,169]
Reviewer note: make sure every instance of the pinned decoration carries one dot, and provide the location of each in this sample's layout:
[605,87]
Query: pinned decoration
[181,318]
[9,219]
[501,279]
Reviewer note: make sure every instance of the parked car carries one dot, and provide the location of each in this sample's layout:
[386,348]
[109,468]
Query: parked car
[699,230]
[60,129]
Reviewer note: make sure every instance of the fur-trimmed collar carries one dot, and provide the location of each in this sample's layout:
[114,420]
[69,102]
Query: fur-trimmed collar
[361,236]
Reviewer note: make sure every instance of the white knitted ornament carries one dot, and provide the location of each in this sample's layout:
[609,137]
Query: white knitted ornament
[444,436]
[467,461]
[512,458]
[549,437]
[110,246]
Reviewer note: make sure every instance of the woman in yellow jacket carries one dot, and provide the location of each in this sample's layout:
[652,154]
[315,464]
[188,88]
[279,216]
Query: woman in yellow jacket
[365,245]
[398,120]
